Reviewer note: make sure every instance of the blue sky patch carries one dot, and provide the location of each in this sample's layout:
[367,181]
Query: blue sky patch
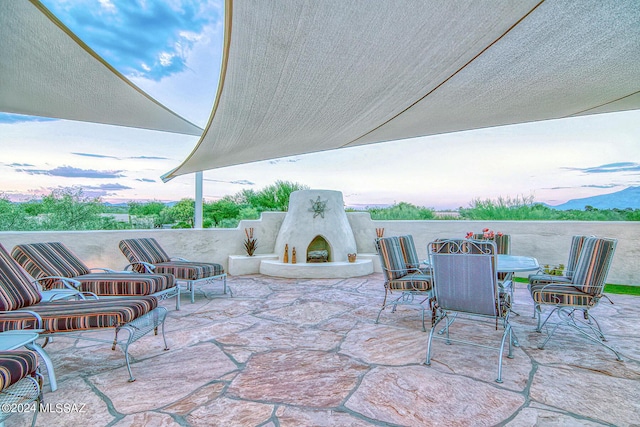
[19,118]
[611,168]
[149,39]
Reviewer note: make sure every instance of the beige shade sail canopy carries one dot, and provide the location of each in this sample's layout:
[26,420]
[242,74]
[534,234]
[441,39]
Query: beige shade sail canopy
[307,76]
[45,70]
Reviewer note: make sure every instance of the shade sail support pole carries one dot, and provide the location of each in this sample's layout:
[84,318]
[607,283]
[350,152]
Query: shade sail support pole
[197,221]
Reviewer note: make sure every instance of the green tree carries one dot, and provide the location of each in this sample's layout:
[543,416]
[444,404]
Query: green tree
[156,211]
[146,209]
[183,212]
[215,212]
[401,211]
[13,217]
[274,197]
[69,209]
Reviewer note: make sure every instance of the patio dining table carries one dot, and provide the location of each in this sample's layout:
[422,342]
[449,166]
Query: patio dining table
[516,264]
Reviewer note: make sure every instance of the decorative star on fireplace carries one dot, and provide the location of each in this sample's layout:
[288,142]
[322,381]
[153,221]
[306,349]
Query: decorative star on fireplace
[318,207]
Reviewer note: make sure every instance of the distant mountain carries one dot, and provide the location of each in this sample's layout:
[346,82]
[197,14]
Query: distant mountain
[627,198]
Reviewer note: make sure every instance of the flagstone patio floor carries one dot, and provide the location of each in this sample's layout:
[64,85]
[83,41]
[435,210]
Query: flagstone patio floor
[294,352]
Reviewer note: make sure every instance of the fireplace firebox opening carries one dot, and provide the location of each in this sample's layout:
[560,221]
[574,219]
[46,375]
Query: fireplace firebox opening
[319,250]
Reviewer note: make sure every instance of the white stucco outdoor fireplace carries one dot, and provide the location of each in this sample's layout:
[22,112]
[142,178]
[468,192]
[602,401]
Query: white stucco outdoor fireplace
[317,228]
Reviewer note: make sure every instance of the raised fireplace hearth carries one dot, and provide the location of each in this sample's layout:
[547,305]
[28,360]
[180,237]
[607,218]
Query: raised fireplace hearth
[316,225]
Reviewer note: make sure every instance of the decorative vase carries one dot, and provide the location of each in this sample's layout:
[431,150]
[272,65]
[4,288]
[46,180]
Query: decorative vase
[293,255]
[352,257]
[285,257]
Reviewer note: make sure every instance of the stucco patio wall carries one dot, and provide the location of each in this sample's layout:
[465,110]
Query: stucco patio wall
[546,240]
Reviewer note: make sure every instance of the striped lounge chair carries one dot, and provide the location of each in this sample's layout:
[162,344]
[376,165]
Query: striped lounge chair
[145,255]
[20,382]
[414,285]
[573,301]
[21,307]
[55,266]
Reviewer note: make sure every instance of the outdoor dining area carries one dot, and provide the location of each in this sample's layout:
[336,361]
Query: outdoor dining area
[371,350]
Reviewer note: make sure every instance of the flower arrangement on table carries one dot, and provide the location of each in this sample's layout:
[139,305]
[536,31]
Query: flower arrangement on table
[502,241]
[487,234]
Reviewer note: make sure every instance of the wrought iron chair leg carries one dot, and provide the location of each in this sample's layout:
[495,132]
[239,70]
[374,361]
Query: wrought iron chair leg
[542,323]
[597,341]
[505,334]
[599,329]
[430,340]
[450,320]
[115,339]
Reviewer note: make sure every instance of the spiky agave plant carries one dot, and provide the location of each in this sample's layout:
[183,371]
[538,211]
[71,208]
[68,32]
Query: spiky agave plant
[250,243]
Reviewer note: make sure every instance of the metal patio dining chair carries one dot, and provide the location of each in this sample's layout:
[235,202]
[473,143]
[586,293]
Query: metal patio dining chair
[574,252]
[573,301]
[414,286]
[410,254]
[545,278]
[465,282]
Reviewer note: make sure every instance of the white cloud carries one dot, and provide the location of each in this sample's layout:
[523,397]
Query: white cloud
[166,58]
[108,5]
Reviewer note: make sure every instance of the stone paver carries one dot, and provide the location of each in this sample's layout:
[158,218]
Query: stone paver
[286,352]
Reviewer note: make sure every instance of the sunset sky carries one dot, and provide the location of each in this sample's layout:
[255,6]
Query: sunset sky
[172,50]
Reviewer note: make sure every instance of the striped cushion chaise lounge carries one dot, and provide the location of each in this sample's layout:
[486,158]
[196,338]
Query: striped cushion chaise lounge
[53,264]
[20,382]
[572,301]
[145,255]
[21,308]
[414,285]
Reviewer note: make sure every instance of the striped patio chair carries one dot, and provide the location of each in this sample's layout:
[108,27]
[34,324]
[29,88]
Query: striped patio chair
[466,282]
[21,308]
[20,382]
[413,285]
[145,255]
[574,252]
[410,255]
[53,264]
[573,301]
[537,279]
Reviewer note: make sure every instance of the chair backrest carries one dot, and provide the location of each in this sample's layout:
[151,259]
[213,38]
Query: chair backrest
[503,242]
[16,289]
[409,251]
[465,277]
[49,259]
[593,264]
[145,249]
[574,252]
[391,258]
